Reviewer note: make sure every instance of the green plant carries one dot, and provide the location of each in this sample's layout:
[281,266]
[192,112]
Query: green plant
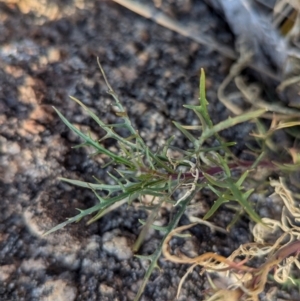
[140,171]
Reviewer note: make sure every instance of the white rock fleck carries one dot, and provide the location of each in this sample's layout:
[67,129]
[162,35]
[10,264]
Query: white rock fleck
[116,245]
[58,290]
[6,271]
[105,289]
[32,264]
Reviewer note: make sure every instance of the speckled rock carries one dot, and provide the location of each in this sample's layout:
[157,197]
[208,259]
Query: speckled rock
[46,54]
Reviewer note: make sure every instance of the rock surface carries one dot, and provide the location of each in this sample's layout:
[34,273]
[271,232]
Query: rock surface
[48,51]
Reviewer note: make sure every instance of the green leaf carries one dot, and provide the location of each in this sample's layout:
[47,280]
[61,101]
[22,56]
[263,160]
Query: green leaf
[243,200]
[214,181]
[155,256]
[230,122]
[243,177]
[185,132]
[224,165]
[203,101]
[111,188]
[220,201]
[93,143]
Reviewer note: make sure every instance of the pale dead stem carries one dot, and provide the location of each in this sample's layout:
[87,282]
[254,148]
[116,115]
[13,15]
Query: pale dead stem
[162,19]
[249,282]
[250,94]
[192,186]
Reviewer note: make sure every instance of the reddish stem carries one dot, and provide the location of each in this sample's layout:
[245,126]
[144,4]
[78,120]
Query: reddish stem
[215,170]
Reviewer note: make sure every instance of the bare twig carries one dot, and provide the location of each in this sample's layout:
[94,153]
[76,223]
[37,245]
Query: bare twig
[160,18]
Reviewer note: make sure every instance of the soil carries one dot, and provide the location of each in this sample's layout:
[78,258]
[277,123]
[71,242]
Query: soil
[48,51]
